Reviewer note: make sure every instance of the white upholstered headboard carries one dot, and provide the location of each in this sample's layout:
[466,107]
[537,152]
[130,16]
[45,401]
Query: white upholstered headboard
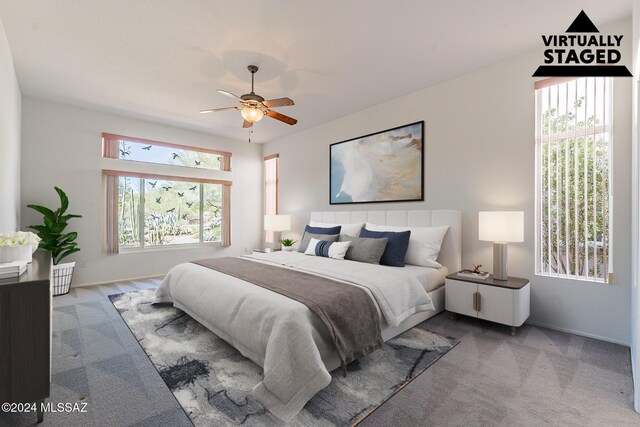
[451,251]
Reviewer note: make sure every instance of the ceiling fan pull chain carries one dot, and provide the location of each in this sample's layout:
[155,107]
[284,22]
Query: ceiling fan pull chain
[250,133]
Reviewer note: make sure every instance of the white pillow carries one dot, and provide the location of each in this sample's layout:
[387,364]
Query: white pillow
[424,243]
[335,250]
[352,230]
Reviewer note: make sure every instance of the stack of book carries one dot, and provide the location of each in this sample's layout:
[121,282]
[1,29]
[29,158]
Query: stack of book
[12,269]
[470,274]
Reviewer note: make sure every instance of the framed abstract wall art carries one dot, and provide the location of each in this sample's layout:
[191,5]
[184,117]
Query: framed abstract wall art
[386,166]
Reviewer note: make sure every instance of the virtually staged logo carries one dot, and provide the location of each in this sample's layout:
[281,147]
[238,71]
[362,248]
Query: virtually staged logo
[581,53]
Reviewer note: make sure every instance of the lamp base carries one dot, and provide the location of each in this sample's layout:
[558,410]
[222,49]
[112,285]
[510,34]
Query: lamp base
[500,261]
[276,245]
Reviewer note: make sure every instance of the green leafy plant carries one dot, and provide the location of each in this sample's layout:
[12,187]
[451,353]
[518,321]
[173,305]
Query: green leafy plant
[52,233]
[288,242]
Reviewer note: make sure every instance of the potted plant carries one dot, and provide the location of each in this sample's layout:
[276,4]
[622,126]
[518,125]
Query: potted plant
[60,244]
[18,246]
[287,244]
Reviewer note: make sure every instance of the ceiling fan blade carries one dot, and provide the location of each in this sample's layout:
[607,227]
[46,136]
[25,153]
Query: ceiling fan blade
[229,94]
[286,119]
[246,124]
[215,110]
[278,102]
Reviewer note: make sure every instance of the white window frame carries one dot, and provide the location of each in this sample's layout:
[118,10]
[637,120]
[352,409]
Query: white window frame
[111,144]
[142,222]
[543,88]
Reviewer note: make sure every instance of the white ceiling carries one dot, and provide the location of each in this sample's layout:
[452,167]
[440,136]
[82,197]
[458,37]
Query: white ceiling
[164,59]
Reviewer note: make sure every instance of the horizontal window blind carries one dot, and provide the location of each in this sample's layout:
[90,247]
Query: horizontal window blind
[573,178]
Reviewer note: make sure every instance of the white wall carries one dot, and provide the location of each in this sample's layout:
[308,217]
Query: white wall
[61,146]
[479,155]
[9,140]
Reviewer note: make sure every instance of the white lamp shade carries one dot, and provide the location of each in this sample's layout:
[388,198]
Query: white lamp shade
[503,226]
[277,222]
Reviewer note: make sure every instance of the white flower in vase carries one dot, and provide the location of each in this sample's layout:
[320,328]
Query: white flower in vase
[18,246]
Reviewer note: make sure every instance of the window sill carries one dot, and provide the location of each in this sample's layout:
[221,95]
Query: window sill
[211,245]
[575,279]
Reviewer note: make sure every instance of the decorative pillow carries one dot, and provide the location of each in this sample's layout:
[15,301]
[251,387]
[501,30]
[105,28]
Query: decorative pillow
[319,233]
[424,244]
[364,249]
[325,248]
[348,229]
[396,248]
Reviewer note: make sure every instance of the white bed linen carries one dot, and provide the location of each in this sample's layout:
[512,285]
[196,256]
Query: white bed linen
[430,278]
[280,334]
[397,293]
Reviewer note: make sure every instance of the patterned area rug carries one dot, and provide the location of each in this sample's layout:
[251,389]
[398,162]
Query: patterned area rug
[212,381]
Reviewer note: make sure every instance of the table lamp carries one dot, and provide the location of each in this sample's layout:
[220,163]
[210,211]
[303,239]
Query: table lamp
[501,228]
[277,224]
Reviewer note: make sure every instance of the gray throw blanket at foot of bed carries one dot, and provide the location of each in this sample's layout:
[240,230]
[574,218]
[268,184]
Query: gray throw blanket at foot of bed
[346,310]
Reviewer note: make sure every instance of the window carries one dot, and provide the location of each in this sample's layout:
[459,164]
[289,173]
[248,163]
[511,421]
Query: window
[271,170]
[573,170]
[163,153]
[155,212]
[146,210]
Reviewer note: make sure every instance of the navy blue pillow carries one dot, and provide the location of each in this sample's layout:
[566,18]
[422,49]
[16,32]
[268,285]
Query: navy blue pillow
[308,231]
[323,230]
[397,245]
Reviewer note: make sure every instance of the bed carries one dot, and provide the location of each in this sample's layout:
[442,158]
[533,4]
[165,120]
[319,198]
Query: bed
[282,335]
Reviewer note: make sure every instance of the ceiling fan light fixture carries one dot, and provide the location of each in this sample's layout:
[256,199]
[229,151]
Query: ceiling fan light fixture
[252,114]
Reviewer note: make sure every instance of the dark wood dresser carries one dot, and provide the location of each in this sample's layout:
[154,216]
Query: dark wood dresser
[25,334]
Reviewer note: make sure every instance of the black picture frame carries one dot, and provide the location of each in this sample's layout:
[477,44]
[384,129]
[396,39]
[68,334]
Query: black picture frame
[352,140]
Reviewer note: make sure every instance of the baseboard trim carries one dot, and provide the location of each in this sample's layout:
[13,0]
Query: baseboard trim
[582,334]
[106,282]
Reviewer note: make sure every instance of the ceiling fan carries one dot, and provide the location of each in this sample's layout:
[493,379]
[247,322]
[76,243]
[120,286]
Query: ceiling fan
[253,107]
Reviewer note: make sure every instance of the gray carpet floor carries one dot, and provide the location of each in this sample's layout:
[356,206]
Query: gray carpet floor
[539,377]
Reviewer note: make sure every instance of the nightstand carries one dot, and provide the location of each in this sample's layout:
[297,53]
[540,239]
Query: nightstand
[501,301]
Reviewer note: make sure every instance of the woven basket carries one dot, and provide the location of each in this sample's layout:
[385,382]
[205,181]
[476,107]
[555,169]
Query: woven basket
[61,276]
